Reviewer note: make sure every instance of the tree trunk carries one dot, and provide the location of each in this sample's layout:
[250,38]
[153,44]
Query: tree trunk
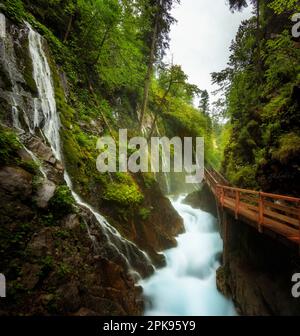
[258,40]
[102,44]
[149,72]
[68,29]
[162,102]
[153,126]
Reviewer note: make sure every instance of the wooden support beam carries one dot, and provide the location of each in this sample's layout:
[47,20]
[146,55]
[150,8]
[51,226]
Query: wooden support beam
[299,224]
[261,213]
[225,237]
[222,196]
[237,203]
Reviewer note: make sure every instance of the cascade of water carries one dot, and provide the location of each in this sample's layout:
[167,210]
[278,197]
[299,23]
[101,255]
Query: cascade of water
[45,111]
[17,98]
[47,119]
[164,164]
[166,175]
[2,26]
[37,161]
[187,285]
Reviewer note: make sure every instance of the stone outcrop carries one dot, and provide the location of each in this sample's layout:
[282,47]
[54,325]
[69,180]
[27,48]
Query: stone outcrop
[202,199]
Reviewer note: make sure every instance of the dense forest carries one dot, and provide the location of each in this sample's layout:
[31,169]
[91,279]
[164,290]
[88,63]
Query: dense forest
[106,60]
[260,87]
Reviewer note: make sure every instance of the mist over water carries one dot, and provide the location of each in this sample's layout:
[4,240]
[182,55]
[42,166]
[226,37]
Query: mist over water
[187,285]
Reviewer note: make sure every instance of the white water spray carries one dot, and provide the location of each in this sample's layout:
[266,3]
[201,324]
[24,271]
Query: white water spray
[45,112]
[2,26]
[187,285]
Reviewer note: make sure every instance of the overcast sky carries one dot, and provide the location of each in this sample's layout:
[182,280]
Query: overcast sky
[201,38]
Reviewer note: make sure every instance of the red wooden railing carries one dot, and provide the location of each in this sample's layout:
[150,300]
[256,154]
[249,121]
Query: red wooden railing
[278,213]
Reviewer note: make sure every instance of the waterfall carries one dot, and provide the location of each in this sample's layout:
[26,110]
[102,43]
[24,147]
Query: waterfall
[46,119]
[166,175]
[2,26]
[187,285]
[45,112]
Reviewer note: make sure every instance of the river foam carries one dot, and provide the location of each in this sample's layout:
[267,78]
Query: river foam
[187,285]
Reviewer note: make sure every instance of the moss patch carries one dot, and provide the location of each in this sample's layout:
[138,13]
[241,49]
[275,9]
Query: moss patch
[62,203]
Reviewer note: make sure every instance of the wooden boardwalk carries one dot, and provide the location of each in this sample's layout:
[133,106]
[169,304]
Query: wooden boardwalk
[277,213]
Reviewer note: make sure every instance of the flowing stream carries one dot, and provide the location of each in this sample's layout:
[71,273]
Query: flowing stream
[187,285]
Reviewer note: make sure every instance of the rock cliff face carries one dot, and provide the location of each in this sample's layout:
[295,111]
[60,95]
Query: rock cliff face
[50,262]
[202,199]
[59,255]
[258,272]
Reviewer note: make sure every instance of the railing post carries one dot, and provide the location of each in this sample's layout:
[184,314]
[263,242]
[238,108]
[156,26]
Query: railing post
[237,204]
[218,194]
[261,212]
[299,225]
[222,196]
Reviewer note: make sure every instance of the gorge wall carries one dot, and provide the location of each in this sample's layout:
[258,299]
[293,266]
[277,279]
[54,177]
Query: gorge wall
[258,272]
[58,253]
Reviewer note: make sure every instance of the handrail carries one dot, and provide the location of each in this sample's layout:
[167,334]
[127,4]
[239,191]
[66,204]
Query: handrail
[261,208]
[210,176]
[277,196]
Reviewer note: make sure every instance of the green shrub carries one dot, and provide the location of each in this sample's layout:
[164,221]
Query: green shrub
[9,145]
[123,194]
[31,166]
[14,9]
[63,270]
[149,180]
[245,177]
[47,265]
[144,213]
[289,147]
[62,203]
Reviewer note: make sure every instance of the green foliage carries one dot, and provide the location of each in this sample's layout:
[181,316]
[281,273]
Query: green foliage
[289,147]
[48,220]
[47,265]
[149,180]
[220,142]
[204,102]
[14,9]
[144,213]
[282,61]
[9,145]
[31,166]
[15,290]
[260,86]
[62,234]
[123,194]
[279,6]
[245,177]
[63,270]
[62,203]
